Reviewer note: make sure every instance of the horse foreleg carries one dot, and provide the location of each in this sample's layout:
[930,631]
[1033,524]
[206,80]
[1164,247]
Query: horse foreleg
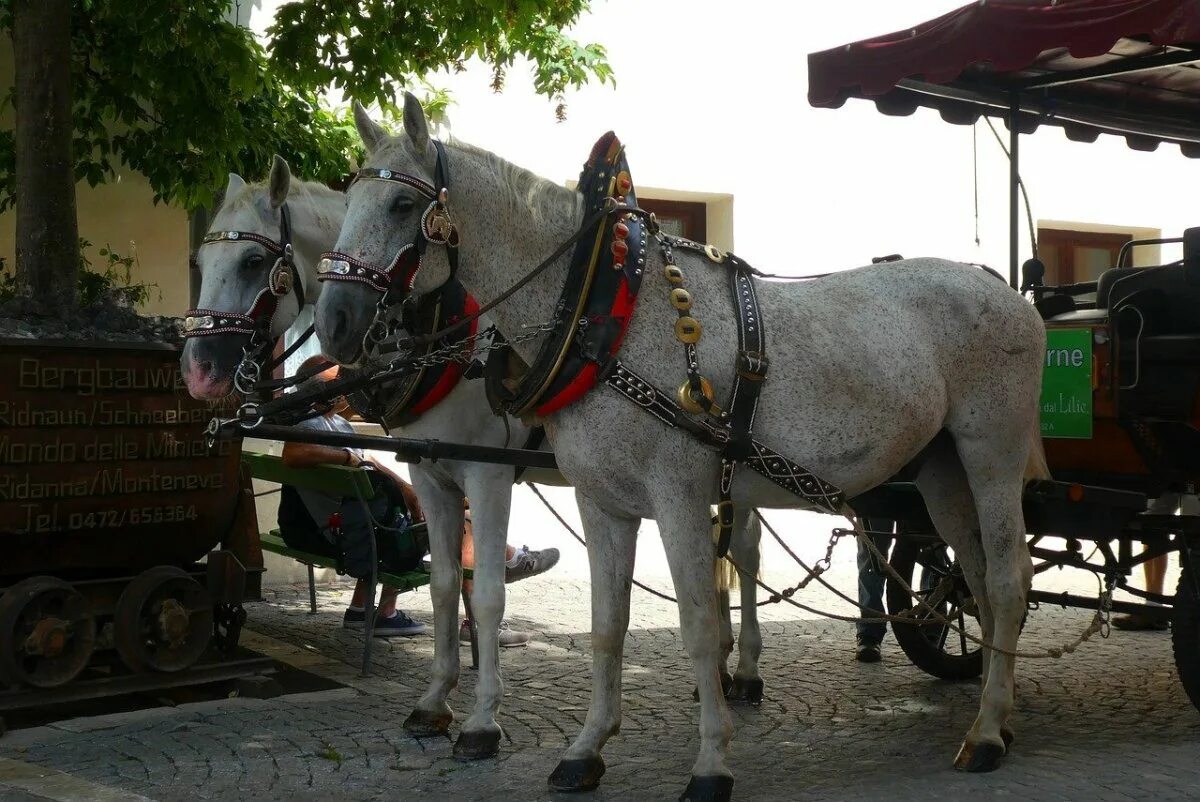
[744,549]
[684,527]
[489,488]
[443,509]
[611,546]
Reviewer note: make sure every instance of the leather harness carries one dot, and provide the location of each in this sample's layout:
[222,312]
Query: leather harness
[592,317]
[401,402]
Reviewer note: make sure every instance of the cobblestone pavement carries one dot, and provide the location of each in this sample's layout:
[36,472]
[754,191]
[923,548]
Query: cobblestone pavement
[1108,723]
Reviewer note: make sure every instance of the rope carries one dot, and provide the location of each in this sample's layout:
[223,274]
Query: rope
[929,616]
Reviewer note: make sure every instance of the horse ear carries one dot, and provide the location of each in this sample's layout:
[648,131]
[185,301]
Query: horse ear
[281,181]
[235,185]
[414,122]
[371,132]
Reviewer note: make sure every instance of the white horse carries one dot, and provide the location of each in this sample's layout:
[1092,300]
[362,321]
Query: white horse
[868,367]
[233,273]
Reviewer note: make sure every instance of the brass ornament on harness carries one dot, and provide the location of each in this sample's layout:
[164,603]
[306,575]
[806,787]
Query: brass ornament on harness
[681,299]
[688,330]
[673,273]
[714,254]
[687,398]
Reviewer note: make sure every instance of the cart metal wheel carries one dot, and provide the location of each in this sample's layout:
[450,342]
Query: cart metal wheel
[47,633]
[930,569]
[163,620]
[1185,630]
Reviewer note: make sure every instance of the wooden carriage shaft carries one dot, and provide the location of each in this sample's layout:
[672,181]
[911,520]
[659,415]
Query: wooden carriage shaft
[405,449]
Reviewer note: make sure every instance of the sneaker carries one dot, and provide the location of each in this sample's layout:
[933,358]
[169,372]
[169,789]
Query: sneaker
[354,618]
[1139,623]
[508,637]
[398,625]
[867,652]
[526,563]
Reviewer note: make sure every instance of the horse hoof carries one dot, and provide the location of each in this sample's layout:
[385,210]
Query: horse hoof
[580,774]
[477,745]
[708,789]
[979,757]
[423,724]
[1008,736]
[747,690]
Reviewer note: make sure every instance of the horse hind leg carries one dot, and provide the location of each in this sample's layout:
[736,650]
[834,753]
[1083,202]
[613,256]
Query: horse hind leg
[995,465]
[744,548]
[684,525]
[947,495]
[611,546]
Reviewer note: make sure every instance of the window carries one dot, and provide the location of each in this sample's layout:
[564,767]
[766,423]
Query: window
[1072,257]
[680,218]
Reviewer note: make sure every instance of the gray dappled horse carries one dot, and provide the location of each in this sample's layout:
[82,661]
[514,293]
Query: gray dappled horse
[868,366]
[234,274]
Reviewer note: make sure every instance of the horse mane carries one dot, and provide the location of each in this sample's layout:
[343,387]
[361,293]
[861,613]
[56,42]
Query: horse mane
[545,199]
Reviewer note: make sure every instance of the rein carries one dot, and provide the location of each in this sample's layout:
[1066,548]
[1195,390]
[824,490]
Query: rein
[255,322]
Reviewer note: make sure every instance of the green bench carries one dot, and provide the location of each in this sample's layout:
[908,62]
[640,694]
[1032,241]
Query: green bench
[339,481]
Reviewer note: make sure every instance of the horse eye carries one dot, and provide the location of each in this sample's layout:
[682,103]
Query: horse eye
[401,205]
[254,261]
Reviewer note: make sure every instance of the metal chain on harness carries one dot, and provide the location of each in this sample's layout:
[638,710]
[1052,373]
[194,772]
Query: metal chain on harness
[930,616]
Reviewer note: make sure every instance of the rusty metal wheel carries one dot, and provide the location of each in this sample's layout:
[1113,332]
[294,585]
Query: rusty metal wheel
[47,633]
[163,620]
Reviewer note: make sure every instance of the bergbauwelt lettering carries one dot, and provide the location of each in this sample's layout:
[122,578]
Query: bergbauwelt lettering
[35,375]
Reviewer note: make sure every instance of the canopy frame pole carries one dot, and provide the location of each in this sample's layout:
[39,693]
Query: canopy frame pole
[1014,181]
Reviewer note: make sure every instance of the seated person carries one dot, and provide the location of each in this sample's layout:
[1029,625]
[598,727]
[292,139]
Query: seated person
[520,564]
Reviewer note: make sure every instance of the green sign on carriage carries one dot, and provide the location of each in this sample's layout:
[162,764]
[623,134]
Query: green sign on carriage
[1066,404]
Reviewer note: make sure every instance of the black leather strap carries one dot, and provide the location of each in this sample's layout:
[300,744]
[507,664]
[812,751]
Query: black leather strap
[785,473]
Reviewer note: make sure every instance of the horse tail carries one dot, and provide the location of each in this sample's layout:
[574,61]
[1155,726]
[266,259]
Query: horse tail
[1035,466]
[725,576]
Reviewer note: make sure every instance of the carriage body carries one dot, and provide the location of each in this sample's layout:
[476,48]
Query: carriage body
[1129,429]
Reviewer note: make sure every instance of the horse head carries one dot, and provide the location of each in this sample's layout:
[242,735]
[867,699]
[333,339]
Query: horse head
[395,210]
[247,292]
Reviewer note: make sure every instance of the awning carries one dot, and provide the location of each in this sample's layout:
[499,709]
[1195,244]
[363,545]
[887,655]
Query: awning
[1127,67]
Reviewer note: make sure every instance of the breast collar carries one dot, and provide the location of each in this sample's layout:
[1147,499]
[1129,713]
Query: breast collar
[598,297]
[256,321]
[401,402]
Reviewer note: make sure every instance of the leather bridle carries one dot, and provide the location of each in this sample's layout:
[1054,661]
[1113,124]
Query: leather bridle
[394,281]
[255,322]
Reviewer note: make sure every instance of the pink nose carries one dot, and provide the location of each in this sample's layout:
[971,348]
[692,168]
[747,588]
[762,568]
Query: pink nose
[202,384]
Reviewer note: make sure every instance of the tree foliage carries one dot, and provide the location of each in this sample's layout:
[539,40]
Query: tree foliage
[177,91]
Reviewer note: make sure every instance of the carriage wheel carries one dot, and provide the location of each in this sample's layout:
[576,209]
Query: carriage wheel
[47,633]
[931,570]
[1185,630]
[163,620]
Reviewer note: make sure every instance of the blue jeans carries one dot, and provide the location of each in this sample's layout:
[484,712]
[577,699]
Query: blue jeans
[870,579]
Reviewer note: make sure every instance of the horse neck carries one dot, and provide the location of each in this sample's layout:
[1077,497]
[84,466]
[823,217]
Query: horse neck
[316,220]
[504,237]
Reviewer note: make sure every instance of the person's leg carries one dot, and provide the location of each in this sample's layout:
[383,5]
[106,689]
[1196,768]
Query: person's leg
[508,637]
[870,590]
[1155,570]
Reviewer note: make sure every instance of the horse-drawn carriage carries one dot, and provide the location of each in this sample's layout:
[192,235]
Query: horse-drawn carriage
[1121,399]
[621,431]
